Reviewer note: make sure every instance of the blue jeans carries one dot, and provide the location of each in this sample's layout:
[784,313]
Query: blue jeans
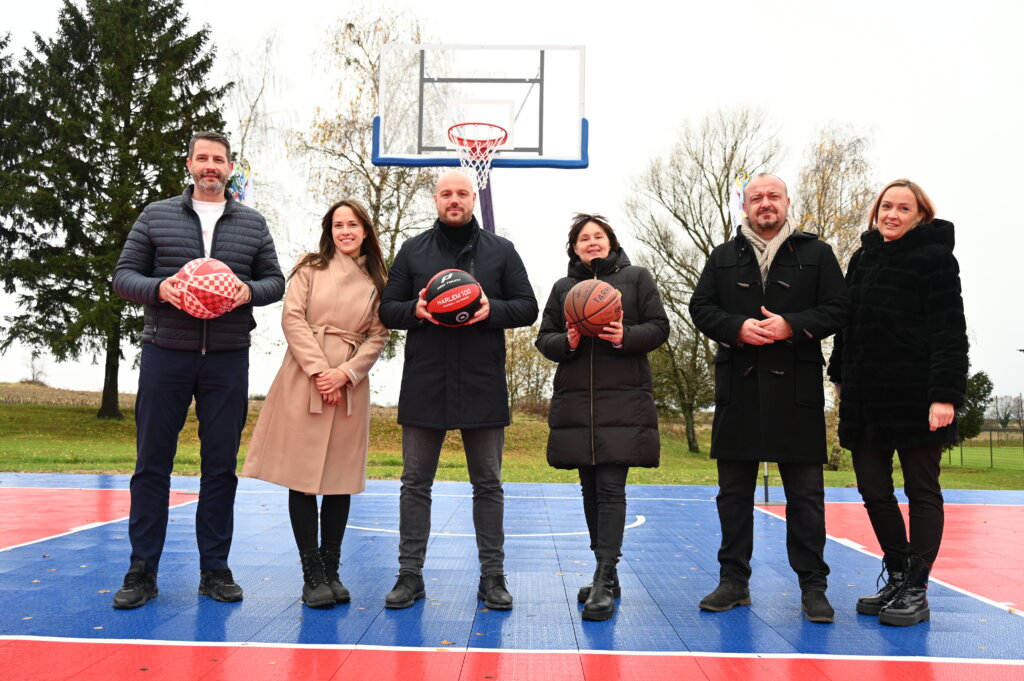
[168,381]
[421,449]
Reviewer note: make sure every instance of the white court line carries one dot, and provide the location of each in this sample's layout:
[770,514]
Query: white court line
[640,520]
[536,651]
[857,547]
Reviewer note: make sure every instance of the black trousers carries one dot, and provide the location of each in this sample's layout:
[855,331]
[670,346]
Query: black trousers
[604,506]
[330,519]
[921,465]
[805,520]
[168,381]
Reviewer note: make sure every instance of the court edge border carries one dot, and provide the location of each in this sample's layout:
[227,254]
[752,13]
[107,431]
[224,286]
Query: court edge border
[502,651]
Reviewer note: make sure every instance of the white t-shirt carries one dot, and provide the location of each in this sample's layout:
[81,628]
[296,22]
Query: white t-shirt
[209,212]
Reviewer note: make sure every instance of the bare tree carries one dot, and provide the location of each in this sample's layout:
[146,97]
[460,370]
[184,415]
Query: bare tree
[1002,409]
[529,373]
[832,200]
[835,190]
[1018,411]
[680,213]
[339,144]
[36,367]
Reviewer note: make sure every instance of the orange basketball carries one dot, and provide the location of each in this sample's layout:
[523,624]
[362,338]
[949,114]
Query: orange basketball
[591,305]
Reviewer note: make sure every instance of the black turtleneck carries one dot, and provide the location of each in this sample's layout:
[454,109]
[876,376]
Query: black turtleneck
[458,236]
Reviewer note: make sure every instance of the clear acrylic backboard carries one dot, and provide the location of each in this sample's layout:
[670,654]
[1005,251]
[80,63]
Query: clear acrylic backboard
[534,92]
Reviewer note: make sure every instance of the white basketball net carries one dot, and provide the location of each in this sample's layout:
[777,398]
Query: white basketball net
[477,143]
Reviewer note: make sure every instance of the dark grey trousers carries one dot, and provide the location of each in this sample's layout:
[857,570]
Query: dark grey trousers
[421,449]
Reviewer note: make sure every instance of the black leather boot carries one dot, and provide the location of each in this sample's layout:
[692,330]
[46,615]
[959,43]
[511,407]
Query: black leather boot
[584,592]
[408,589]
[892,567]
[910,605]
[600,604]
[315,592]
[493,591]
[332,560]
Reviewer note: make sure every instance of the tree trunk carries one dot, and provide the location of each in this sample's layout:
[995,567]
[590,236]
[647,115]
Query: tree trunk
[691,431]
[108,404]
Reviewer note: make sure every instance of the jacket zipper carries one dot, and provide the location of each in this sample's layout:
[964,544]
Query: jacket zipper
[213,242]
[593,448]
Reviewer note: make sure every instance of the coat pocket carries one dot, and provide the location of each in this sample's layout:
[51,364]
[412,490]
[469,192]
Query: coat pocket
[809,386]
[723,377]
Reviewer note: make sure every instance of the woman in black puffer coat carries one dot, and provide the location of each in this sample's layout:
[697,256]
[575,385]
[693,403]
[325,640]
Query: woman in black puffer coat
[602,417]
[900,366]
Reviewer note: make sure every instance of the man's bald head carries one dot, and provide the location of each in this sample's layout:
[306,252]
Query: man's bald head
[454,198]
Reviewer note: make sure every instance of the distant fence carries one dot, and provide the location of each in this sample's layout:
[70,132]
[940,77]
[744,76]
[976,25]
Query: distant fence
[992,448]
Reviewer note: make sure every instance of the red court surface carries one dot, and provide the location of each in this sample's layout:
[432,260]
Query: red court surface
[81,661]
[33,514]
[981,549]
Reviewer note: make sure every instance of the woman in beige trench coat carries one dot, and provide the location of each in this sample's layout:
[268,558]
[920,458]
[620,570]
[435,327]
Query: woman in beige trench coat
[313,431]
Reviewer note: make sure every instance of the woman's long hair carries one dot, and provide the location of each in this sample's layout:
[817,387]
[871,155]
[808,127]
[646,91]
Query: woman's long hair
[370,247]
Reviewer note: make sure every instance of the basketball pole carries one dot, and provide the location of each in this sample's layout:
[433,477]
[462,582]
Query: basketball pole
[487,208]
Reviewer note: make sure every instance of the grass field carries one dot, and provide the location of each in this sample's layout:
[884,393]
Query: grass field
[48,430]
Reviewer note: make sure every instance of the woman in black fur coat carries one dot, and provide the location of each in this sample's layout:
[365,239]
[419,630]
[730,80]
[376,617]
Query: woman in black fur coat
[900,367]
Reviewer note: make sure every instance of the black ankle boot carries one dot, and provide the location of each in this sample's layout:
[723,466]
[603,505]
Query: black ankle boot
[892,567]
[600,604]
[910,605]
[584,593]
[315,592]
[332,560]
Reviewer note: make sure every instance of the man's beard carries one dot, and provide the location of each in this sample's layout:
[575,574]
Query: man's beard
[210,183]
[775,225]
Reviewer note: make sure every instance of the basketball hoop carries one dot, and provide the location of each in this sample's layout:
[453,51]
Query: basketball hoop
[477,143]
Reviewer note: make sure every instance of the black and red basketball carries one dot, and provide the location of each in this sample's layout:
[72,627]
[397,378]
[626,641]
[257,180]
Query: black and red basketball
[453,296]
[592,305]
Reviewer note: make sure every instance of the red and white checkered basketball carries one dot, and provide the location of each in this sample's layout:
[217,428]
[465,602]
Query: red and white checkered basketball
[207,288]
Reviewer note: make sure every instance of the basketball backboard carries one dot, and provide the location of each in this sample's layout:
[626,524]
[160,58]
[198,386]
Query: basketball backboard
[536,93]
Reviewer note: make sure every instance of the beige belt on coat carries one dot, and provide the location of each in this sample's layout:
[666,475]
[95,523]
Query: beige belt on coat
[316,400]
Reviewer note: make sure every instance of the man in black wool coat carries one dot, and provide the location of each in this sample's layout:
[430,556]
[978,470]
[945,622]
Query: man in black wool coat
[767,298]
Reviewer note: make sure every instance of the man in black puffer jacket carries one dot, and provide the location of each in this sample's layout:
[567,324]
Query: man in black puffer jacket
[184,358]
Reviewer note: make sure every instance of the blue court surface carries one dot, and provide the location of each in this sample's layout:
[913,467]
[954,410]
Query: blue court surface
[64,550]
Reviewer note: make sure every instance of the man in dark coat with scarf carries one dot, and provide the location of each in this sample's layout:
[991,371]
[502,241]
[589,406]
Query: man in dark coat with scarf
[768,298]
[454,378]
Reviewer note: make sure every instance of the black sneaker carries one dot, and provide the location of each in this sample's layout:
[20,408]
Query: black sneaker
[408,589]
[220,586]
[139,587]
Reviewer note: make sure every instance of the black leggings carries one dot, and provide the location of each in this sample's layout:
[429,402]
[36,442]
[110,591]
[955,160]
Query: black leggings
[604,506]
[920,464]
[332,519]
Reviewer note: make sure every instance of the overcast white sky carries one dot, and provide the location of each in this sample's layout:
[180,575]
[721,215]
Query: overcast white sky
[938,85]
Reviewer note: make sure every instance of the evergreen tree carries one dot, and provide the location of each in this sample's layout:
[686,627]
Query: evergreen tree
[10,146]
[971,417]
[111,104]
